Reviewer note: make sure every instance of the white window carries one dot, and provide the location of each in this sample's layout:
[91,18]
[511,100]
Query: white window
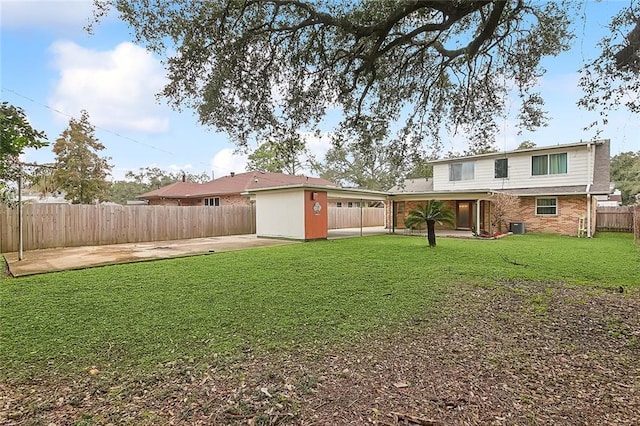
[461,171]
[547,206]
[213,202]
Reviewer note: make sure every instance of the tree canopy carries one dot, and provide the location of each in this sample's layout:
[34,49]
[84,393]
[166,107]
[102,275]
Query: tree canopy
[625,173]
[80,171]
[252,66]
[285,154]
[147,179]
[16,134]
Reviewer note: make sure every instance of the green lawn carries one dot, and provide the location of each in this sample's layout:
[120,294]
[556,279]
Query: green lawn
[132,319]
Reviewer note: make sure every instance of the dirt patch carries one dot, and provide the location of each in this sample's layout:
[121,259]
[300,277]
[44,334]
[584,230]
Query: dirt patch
[515,353]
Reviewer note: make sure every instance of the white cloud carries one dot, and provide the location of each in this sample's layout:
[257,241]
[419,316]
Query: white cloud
[227,161]
[178,168]
[318,144]
[116,87]
[56,15]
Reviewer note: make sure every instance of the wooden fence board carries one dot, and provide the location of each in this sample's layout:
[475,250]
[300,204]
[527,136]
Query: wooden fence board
[615,219]
[64,225]
[344,217]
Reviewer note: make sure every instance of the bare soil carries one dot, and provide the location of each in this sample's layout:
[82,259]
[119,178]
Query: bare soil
[514,353]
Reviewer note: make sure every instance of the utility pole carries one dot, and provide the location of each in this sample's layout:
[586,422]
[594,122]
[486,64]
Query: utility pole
[19,211]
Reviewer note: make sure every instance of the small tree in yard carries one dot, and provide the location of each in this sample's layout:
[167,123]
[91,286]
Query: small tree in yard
[433,212]
[503,204]
[80,172]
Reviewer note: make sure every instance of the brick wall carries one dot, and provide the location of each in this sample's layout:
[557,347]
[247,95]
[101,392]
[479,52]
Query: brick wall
[163,202]
[229,200]
[570,208]
[225,200]
[411,205]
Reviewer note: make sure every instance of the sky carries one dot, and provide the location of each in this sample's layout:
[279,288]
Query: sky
[53,68]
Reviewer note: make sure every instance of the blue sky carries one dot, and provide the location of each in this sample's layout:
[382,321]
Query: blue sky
[52,68]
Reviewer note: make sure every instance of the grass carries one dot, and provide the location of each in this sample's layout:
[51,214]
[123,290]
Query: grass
[134,319]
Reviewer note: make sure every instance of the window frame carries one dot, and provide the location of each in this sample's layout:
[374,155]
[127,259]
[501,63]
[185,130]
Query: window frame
[339,204]
[554,206]
[212,201]
[462,164]
[548,164]
[504,168]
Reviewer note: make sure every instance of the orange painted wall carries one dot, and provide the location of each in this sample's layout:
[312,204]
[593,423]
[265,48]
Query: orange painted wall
[316,224]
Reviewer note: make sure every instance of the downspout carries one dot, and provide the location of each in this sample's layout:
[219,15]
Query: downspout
[590,170]
[361,217]
[393,216]
[478,216]
[588,211]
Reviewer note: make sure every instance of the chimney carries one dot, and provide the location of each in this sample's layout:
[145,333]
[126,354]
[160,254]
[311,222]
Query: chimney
[233,174]
[184,177]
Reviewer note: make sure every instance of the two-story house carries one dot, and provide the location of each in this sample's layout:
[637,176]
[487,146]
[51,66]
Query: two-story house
[556,188]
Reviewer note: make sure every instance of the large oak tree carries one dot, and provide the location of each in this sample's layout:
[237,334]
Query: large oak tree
[251,66]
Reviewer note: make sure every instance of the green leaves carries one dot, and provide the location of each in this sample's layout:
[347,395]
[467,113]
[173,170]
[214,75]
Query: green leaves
[80,172]
[248,67]
[625,173]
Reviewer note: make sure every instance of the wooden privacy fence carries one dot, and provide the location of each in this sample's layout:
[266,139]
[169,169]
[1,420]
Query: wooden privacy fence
[64,225]
[618,219]
[345,217]
[636,224]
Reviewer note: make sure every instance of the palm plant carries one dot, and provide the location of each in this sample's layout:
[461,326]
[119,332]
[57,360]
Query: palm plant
[433,212]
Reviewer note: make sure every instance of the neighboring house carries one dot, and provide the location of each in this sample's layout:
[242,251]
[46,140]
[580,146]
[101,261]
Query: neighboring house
[226,190]
[556,186]
[35,197]
[611,200]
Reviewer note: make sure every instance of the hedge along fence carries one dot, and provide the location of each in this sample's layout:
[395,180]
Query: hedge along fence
[65,225]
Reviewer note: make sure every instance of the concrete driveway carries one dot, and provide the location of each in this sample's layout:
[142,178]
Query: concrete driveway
[60,259]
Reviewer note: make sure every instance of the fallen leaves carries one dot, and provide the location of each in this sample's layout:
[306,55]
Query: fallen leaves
[487,358]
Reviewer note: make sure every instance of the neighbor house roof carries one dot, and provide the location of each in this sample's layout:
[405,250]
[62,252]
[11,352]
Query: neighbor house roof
[234,183]
[413,185]
[174,190]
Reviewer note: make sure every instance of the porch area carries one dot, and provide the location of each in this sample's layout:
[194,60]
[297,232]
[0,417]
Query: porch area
[472,212]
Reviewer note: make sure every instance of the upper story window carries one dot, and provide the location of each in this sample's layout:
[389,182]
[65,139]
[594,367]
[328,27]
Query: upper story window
[213,202]
[461,171]
[501,168]
[552,164]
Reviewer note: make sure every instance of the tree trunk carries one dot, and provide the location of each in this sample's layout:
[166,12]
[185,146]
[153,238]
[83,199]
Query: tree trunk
[431,232]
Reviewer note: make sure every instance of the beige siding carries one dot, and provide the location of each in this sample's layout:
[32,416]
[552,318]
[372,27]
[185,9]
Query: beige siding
[280,214]
[578,172]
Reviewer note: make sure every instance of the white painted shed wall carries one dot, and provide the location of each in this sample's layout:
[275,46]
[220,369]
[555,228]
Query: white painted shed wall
[280,214]
[578,171]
